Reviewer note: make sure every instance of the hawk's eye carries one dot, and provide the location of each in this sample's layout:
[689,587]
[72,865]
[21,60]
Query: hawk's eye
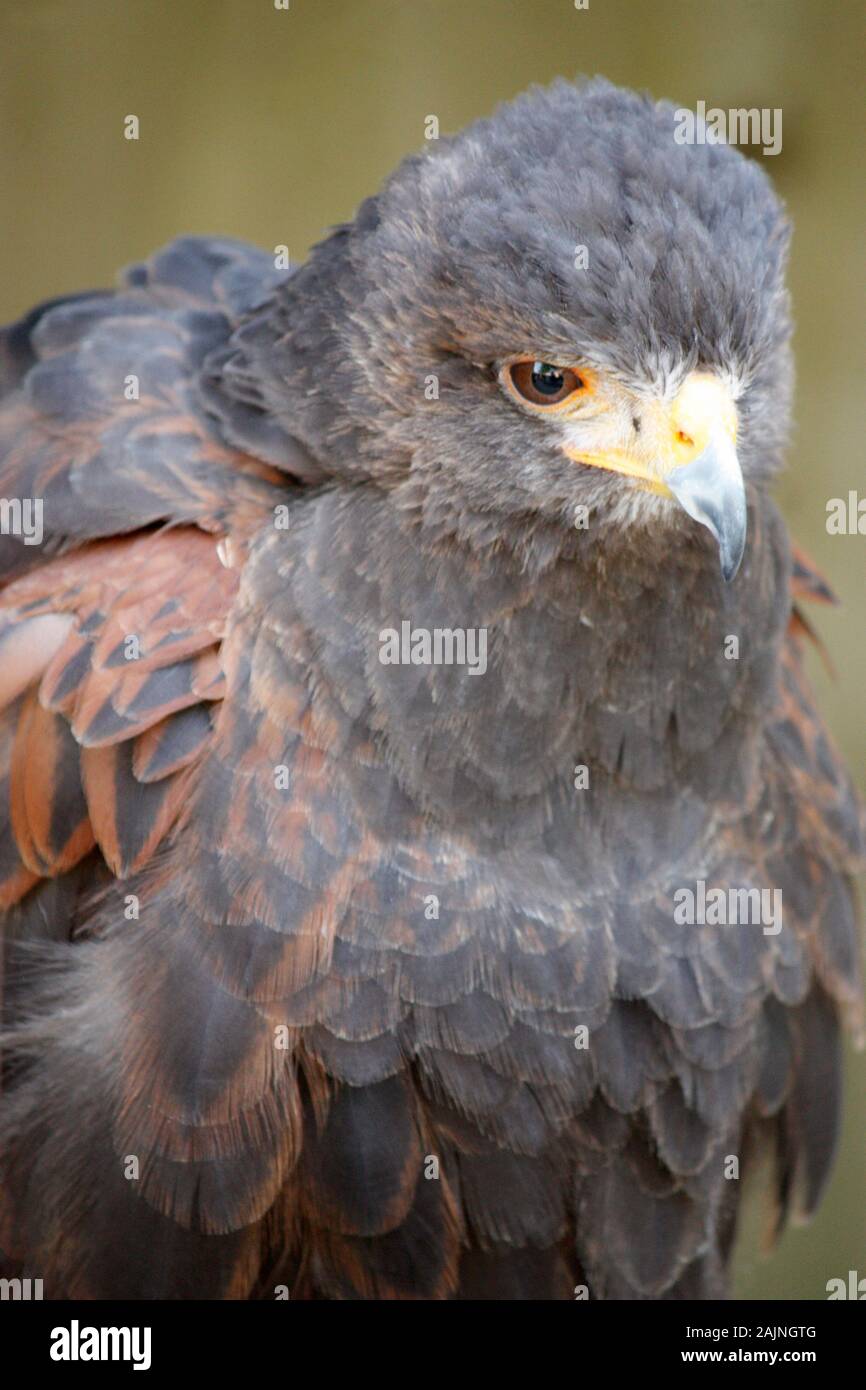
[542,383]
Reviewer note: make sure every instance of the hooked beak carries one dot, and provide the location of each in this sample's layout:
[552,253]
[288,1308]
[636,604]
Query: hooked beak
[711,490]
[686,450]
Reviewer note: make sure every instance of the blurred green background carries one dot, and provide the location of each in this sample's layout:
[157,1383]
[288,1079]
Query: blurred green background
[273,125]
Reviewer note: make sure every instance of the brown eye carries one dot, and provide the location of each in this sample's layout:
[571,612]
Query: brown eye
[543,383]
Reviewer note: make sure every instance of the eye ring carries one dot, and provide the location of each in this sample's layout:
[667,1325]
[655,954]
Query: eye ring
[544,385]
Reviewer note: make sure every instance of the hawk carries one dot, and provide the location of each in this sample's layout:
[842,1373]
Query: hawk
[336,961]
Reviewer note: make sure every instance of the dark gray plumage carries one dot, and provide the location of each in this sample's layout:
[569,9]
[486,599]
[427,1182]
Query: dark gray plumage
[411,1034]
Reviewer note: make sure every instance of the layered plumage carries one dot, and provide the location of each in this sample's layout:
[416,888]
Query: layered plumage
[310,938]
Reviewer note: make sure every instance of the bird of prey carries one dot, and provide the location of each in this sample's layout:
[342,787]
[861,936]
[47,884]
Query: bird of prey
[411,636]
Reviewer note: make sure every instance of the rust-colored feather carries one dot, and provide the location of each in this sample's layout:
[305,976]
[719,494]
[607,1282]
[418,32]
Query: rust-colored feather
[49,813]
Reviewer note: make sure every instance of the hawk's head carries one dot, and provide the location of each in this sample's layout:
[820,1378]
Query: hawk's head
[559,314]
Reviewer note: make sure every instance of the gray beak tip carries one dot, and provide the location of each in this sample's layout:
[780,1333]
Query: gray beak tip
[730,562]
